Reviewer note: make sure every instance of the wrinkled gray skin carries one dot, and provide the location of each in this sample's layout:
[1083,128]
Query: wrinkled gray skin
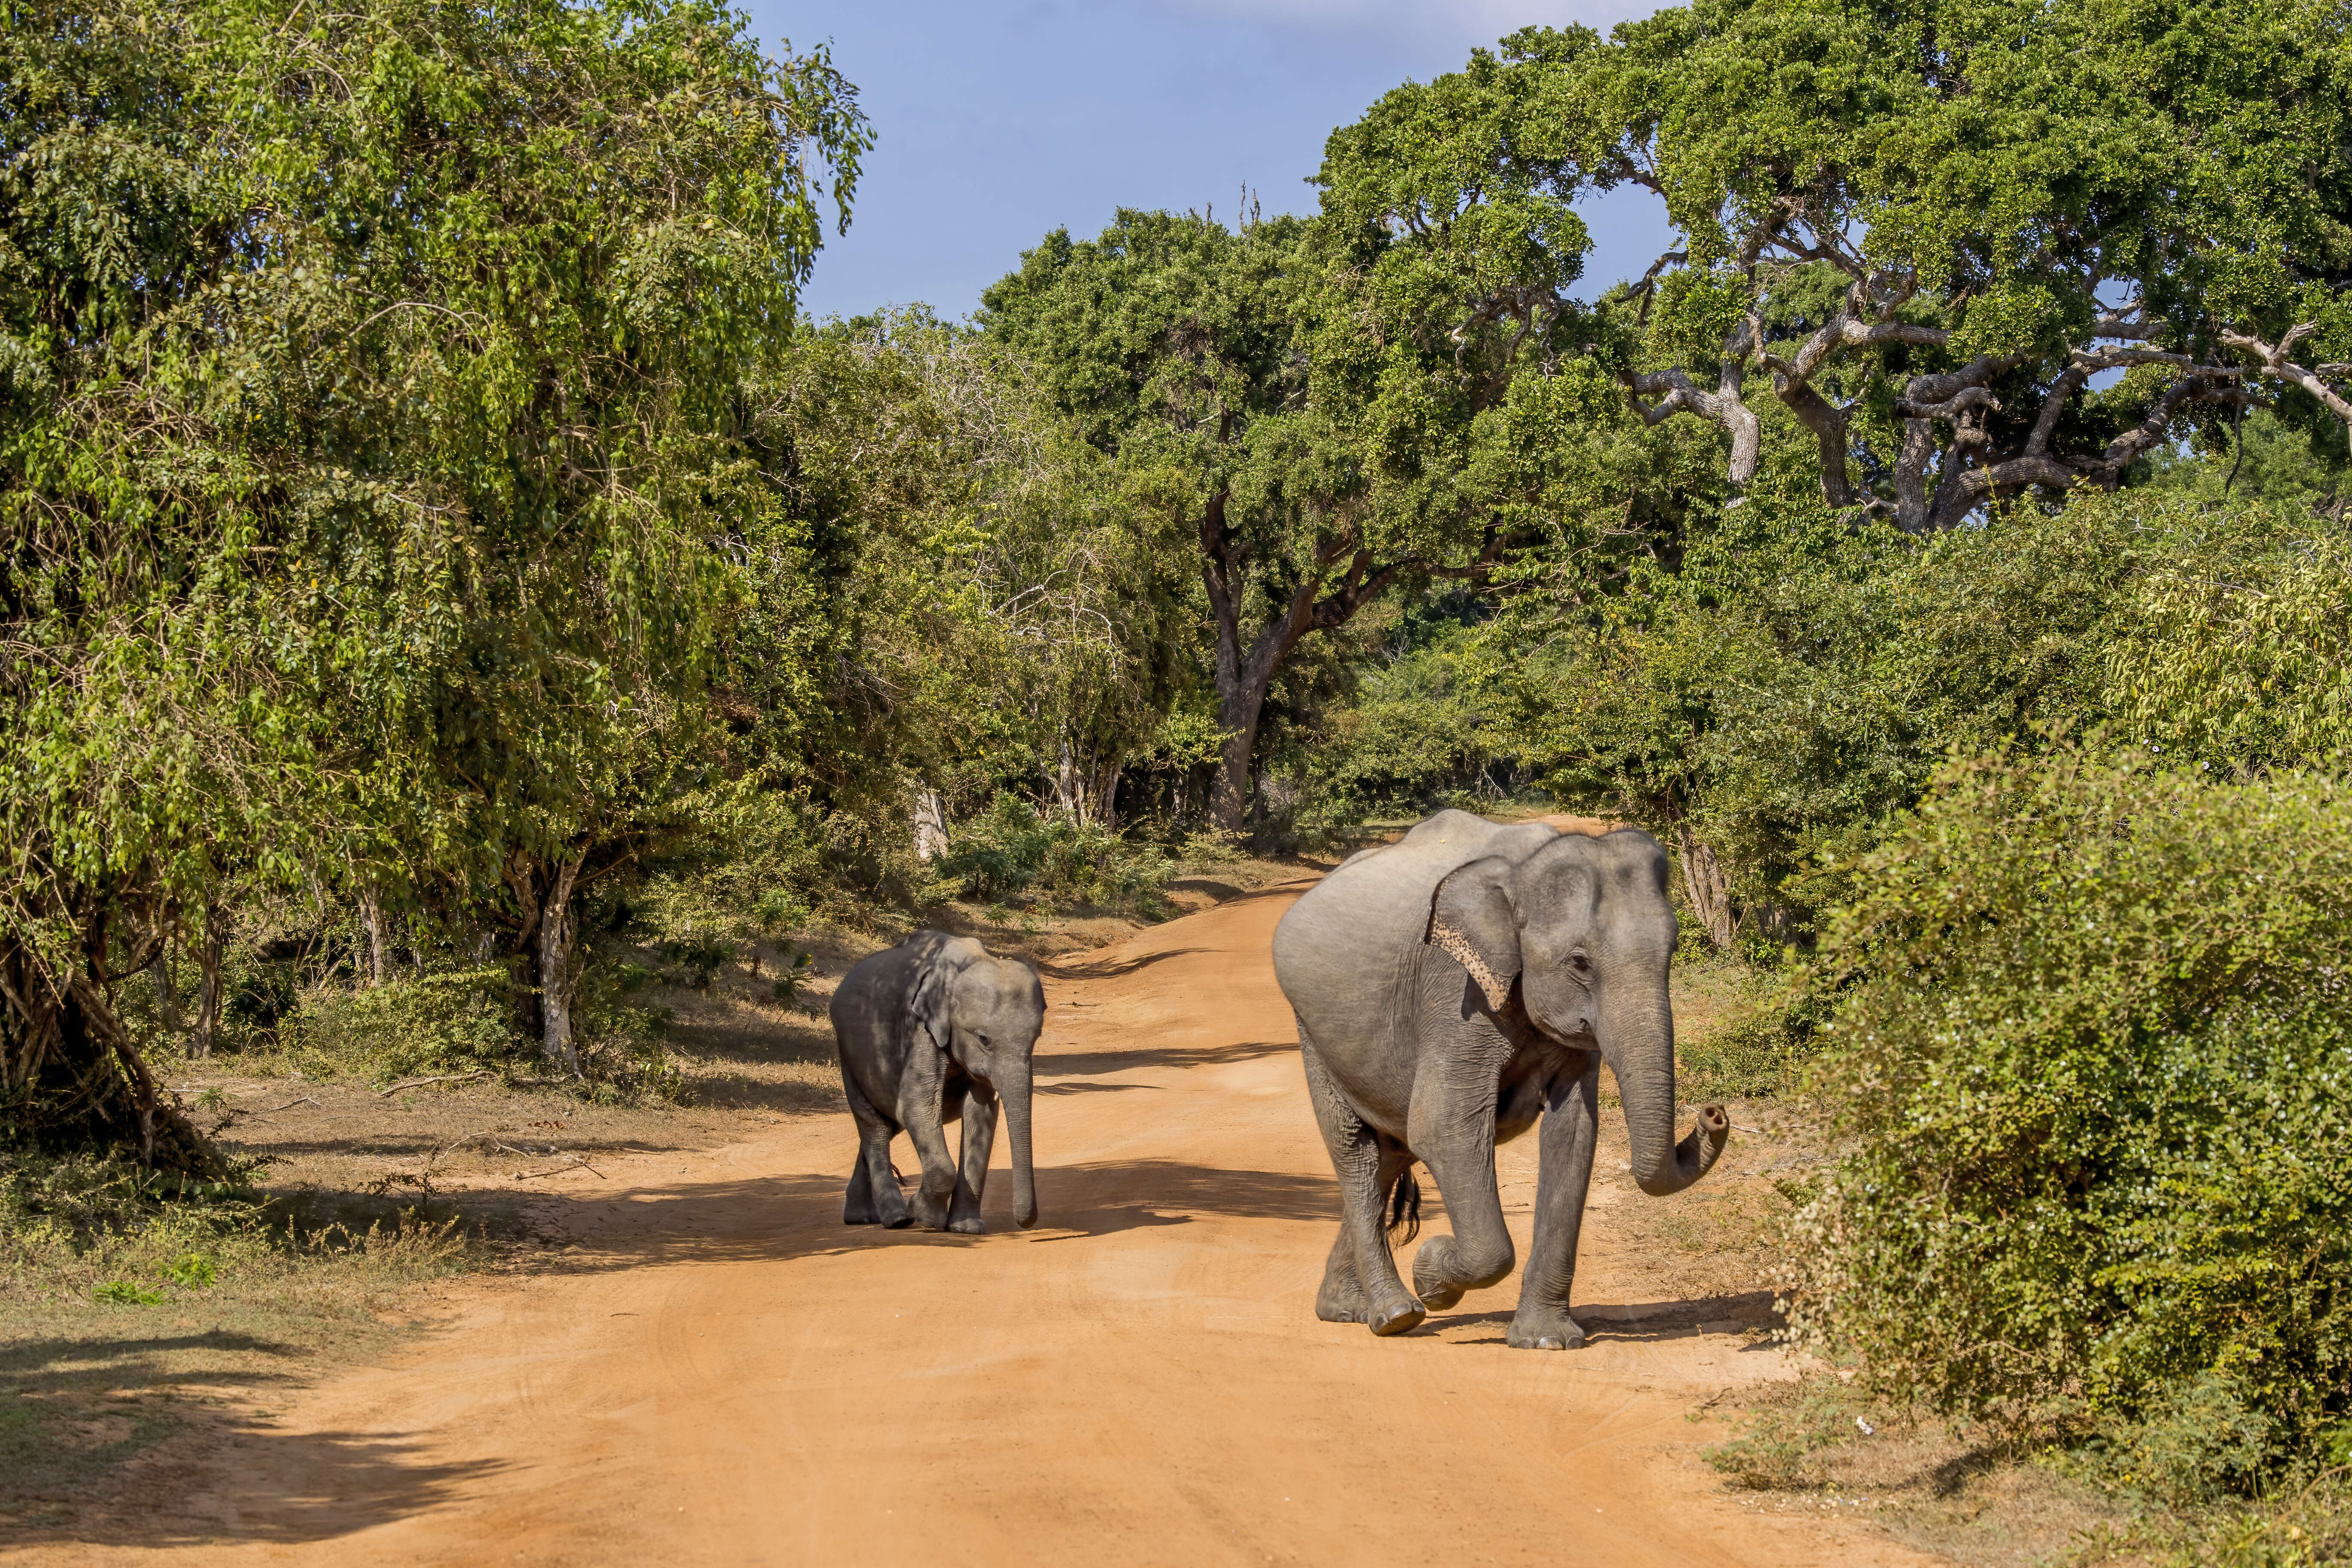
[931,1031]
[1411,1055]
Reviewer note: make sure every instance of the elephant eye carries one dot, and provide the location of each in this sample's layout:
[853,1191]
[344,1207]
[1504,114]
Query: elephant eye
[1579,963]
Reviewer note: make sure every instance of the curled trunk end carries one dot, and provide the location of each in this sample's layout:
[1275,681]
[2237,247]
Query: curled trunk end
[1642,1056]
[1693,1157]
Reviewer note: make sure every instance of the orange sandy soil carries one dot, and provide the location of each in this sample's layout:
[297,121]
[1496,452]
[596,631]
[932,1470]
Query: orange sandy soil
[718,1371]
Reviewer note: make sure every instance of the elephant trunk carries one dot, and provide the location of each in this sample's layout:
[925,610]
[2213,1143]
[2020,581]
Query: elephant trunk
[1639,1046]
[1014,1090]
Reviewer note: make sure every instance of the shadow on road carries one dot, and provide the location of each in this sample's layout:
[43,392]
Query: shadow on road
[1110,968]
[67,1396]
[1635,1322]
[774,1218]
[1086,1064]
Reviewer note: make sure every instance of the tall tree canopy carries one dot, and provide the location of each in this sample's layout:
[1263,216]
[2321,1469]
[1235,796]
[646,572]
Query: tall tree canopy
[1932,230]
[1202,358]
[371,384]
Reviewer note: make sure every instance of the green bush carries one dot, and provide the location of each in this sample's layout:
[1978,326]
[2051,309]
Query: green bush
[408,1026]
[2088,1060]
[1758,1051]
[1010,850]
[1803,677]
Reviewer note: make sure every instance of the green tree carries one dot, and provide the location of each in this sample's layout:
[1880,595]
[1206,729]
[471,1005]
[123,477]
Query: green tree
[1932,226]
[1214,365]
[1798,681]
[999,611]
[373,399]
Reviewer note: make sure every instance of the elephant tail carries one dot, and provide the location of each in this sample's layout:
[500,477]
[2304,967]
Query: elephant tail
[1404,1208]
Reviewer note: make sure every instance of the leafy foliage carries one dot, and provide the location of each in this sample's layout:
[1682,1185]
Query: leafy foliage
[1797,680]
[1011,851]
[355,467]
[2088,1049]
[404,1027]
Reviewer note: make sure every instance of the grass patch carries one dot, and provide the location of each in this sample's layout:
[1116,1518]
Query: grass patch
[1983,1494]
[124,1313]
[1971,1494]
[1737,1034]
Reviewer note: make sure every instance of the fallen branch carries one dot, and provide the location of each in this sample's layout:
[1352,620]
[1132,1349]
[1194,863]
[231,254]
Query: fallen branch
[445,1077]
[233,1112]
[557,1171]
[468,1138]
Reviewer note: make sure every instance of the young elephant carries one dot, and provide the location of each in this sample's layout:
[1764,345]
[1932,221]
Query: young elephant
[1451,990]
[928,1032]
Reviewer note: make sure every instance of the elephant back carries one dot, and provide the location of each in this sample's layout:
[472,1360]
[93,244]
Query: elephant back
[1340,945]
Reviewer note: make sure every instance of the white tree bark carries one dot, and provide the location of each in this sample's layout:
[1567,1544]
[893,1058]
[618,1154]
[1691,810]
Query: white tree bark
[372,921]
[930,825]
[1709,887]
[555,967]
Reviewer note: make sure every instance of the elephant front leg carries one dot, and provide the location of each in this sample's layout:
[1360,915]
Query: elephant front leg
[1570,1126]
[1453,1129]
[921,1107]
[978,1138]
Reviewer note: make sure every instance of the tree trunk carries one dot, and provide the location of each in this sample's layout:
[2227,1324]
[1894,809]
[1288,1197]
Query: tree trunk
[1106,793]
[1709,887]
[71,1076]
[167,994]
[555,968]
[1066,784]
[930,825]
[1828,424]
[208,981]
[1242,678]
[372,922]
[1237,714]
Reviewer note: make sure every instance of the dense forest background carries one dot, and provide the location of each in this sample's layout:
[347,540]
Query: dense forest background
[437,548]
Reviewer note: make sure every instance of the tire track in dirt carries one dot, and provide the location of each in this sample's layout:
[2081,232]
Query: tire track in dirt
[723,1374]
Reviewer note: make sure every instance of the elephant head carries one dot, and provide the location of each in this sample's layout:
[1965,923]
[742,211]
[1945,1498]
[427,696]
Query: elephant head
[986,1013]
[1585,929]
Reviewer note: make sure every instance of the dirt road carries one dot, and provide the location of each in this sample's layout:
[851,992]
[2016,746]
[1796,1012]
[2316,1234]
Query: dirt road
[722,1373]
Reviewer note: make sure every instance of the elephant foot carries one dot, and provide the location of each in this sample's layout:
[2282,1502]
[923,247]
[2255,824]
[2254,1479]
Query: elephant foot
[1543,1331]
[1441,1275]
[1341,1306]
[965,1225]
[901,1223]
[1395,1319]
[931,1213]
[1429,1281]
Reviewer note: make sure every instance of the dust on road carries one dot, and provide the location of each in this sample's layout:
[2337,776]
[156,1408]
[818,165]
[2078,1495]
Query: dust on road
[722,1373]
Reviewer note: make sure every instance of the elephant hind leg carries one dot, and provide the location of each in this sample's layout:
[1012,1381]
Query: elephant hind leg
[1341,1299]
[1367,1165]
[857,1205]
[873,1197]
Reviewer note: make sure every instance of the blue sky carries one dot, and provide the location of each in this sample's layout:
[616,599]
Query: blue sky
[1001,119]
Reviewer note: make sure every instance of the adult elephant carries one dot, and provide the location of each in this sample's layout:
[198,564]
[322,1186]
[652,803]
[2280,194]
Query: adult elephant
[1452,987]
[936,1030]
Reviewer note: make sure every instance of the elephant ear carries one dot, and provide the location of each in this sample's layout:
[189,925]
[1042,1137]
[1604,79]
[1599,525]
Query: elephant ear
[928,1007]
[1472,919]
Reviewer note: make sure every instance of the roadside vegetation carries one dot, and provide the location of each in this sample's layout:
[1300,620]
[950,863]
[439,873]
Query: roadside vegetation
[464,628]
